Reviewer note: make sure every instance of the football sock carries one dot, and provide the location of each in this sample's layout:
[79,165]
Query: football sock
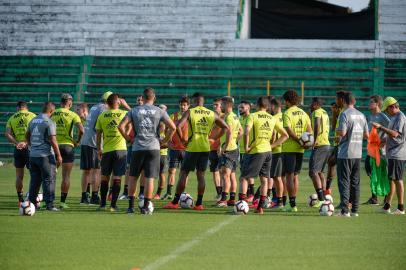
[232,196]
[257,193]
[125,192]
[224,196]
[251,189]
[159,191]
[115,192]
[328,183]
[284,198]
[131,201]
[320,194]
[20,196]
[261,202]
[279,200]
[88,188]
[104,187]
[199,200]
[146,203]
[241,196]
[141,190]
[63,197]
[176,199]
[84,195]
[169,189]
[273,193]
[386,206]
[219,190]
[401,207]
[292,201]
[94,194]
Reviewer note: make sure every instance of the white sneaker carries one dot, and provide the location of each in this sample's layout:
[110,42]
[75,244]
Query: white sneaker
[354,214]
[123,197]
[384,211]
[340,214]
[398,212]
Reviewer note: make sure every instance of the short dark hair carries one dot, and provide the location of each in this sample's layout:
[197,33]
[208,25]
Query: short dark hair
[197,95]
[21,104]
[349,98]
[112,99]
[149,93]
[217,99]
[184,99]
[263,102]
[48,106]
[318,100]
[377,99]
[227,99]
[245,102]
[292,97]
[276,102]
[341,94]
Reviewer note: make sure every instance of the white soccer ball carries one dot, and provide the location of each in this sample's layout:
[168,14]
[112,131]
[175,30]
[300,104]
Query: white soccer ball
[307,139]
[328,197]
[186,201]
[150,206]
[312,200]
[326,209]
[268,202]
[27,209]
[40,197]
[241,208]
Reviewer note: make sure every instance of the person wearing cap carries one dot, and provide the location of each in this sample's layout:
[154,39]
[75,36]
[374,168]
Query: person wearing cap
[395,153]
[65,121]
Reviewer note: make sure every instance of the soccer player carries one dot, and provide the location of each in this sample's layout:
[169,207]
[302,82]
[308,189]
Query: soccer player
[82,110]
[395,152]
[201,121]
[145,120]
[16,128]
[296,122]
[65,121]
[45,157]
[229,153]
[351,130]
[376,116]
[176,147]
[163,163]
[113,155]
[214,139]
[321,148]
[258,149]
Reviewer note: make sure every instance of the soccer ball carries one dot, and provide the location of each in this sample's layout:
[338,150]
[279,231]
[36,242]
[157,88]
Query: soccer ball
[241,208]
[329,198]
[307,139]
[312,200]
[268,202]
[40,197]
[150,206]
[27,209]
[186,201]
[326,209]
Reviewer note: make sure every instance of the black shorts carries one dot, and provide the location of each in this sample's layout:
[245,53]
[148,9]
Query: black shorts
[21,158]
[129,154]
[114,162]
[147,161]
[88,158]
[396,169]
[241,161]
[67,153]
[318,159]
[214,161]
[229,160]
[163,164]
[292,163]
[195,161]
[256,165]
[276,165]
[175,158]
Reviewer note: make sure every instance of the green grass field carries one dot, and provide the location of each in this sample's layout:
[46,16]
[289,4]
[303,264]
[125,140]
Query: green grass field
[81,238]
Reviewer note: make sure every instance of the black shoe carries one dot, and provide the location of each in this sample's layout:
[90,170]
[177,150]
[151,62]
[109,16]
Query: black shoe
[95,200]
[85,200]
[130,211]
[372,201]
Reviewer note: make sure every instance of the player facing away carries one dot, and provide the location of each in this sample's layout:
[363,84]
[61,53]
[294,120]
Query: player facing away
[321,148]
[16,127]
[296,122]
[352,129]
[45,157]
[112,151]
[229,153]
[176,147]
[66,121]
[395,152]
[258,149]
[201,121]
[145,120]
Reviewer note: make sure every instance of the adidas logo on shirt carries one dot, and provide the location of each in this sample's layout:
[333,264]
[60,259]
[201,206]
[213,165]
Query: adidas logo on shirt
[202,121]
[112,124]
[265,126]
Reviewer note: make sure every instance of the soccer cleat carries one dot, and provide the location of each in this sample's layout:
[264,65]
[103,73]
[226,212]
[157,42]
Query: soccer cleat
[230,202]
[289,209]
[198,207]
[250,199]
[109,197]
[328,191]
[157,197]
[254,204]
[145,212]
[130,211]
[318,204]
[372,201]
[95,200]
[384,211]
[52,209]
[63,205]
[259,211]
[84,200]
[114,209]
[171,205]
[354,214]
[217,198]
[123,197]
[341,214]
[398,212]
[221,204]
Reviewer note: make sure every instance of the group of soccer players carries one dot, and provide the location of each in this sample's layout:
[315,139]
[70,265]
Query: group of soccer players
[139,143]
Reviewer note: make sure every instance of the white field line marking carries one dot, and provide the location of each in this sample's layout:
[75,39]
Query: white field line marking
[186,246]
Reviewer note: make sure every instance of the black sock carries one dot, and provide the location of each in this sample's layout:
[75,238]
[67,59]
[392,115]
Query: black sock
[251,189]
[159,191]
[241,196]
[176,199]
[401,207]
[292,201]
[63,197]
[115,192]
[273,193]
[20,196]
[224,196]
[88,188]
[386,206]
[284,198]
[146,203]
[199,200]
[219,190]
[279,200]
[94,194]
[320,194]
[141,190]
[374,197]
[84,194]
[232,196]
[257,193]
[261,202]
[328,183]
[268,192]
[169,189]
[104,187]
[131,201]
[125,192]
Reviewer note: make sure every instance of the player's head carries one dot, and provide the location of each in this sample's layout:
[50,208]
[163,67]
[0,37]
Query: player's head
[183,104]
[349,99]
[217,105]
[227,103]
[276,106]
[105,96]
[148,95]
[140,100]
[66,100]
[82,110]
[244,107]
[48,107]
[198,99]
[263,103]
[340,95]
[334,107]
[391,106]
[291,98]
[113,101]
[316,103]
[21,105]
[375,103]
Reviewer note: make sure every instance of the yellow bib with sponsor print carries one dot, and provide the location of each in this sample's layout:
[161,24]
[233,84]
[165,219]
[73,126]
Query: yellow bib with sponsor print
[107,122]
[65,120]
[262,126]
[201,121]
[232,121]
[18,124]
[323,132]
[298,121]
[243,123]
[279,119]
